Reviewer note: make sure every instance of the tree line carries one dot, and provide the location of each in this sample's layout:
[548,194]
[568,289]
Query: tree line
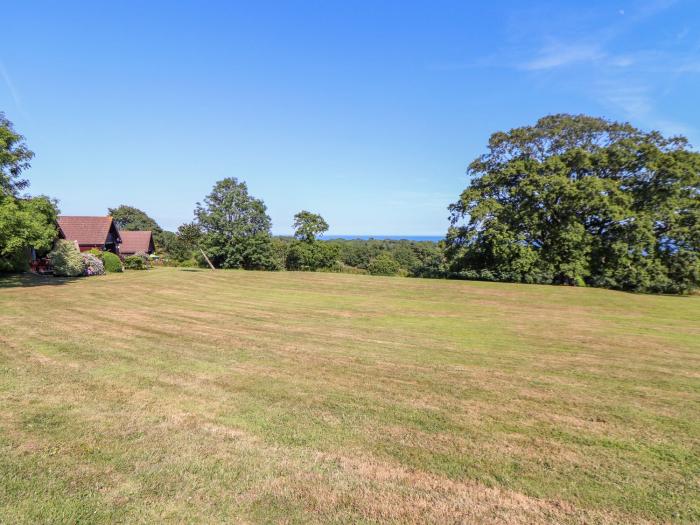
[232,228]
[573,200]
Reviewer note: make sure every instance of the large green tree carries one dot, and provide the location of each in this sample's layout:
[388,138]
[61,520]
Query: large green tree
[235,228]
[189,234]
[581,200]
[128,218]
[304,252]
[309,226]
[183,244]
[26,222]
[15,157]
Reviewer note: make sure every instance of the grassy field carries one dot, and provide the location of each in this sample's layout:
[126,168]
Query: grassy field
[198,396]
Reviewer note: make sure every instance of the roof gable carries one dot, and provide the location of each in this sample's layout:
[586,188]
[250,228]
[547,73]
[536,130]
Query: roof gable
[136,241]
[87,229]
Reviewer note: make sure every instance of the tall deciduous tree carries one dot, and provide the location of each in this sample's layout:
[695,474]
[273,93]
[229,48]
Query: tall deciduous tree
[184,243]
[25,223]
[129,218]
[581,200]
[305,253]
[189,234]
[308,226]
[14,159]
[235,227]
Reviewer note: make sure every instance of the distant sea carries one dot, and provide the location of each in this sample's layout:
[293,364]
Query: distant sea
[431,238]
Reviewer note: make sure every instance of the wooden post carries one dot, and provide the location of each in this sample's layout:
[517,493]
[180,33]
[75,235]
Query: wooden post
[207,258]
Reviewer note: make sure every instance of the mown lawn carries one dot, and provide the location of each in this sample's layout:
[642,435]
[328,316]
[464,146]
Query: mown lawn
[199,396]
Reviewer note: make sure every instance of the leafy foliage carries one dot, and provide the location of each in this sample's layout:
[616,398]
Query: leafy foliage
[576,199]
[135,262]
[24,223]
[235,228]
[66,259]
[344,268]
[14,159]
[188,263]
[308,226]
[165,242]
[280,251]
[129,218]
[112,262]
[416,258]
[97,253]
[384,264]
[182,246]
[189,234]
[306,253]
[312,256]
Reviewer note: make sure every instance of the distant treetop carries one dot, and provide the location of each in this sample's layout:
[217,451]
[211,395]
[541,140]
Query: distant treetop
[308,226]
[129,218]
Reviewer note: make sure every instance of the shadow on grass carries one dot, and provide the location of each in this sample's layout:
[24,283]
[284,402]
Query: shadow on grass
[191,270]
[26,280]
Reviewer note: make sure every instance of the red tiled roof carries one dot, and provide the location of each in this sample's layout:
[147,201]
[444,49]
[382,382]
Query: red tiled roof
[136,241]
[84,229]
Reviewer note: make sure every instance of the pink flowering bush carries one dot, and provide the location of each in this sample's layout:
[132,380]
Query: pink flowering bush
[93,265]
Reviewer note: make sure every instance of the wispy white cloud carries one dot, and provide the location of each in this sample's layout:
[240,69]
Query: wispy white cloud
[635,102]
[10,86]
[632,100]
[564,54]
[586,51]
[622,61]
[687,67]
[581,54]
[671,127]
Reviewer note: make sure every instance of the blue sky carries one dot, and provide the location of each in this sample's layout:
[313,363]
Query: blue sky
[367,112]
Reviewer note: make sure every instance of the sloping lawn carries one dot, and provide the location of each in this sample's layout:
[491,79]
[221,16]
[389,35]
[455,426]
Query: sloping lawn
[198,396]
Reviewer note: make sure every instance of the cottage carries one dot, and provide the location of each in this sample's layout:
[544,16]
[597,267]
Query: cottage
[136,242]
[90,232]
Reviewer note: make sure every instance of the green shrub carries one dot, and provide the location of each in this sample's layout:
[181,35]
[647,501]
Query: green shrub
[311,256]
[345,268]
[66,259]
[134,262]
[112,262]
[384,264]
[189,263]
[145,258]
[280,250]
[97,253]
[17,261]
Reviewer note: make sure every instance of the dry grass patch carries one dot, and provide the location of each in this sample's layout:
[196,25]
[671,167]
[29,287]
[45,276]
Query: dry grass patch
[295,397]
